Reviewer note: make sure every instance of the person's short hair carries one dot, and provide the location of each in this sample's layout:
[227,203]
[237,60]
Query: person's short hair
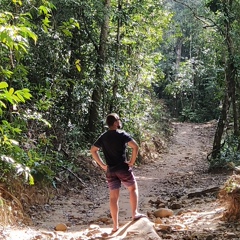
[111,118]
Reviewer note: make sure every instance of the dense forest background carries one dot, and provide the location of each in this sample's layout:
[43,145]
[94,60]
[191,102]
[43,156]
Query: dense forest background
[65,64]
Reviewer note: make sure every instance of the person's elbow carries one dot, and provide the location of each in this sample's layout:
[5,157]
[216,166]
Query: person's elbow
[136,147]
[93,149]
[133,145]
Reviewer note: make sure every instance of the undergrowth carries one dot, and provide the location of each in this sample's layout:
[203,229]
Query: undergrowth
[229,154]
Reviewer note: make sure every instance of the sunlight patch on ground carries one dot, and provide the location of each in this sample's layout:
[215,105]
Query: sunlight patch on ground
[29,234]
[184,132]
[200,218]
[146,178]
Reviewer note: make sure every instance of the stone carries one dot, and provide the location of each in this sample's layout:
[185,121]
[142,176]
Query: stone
[163,212]
[158,221]
[175,206]
[179,212]
[230,235]
[104,235]
[61,227]
[163,227]
[179,227]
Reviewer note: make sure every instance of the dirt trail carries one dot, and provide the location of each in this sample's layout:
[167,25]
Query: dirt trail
[168,180]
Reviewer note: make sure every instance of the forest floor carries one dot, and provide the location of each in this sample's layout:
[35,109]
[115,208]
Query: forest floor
[177,179]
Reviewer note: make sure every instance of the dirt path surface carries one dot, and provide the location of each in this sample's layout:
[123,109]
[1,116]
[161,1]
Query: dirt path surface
[177,180]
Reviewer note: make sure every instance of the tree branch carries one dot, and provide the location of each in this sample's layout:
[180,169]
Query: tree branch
[88,33]
[200,18]
[79,179]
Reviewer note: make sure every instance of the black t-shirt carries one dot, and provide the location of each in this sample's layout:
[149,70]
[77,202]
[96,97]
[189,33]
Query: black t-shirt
[113,144]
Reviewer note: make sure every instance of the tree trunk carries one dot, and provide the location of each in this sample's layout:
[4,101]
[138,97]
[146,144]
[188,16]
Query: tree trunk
[231,66]
[220,127]
[99,75]
[238,106]
[115,84]
[230,96]
[179,54]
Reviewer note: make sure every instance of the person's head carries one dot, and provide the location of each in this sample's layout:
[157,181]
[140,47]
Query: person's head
[113,120]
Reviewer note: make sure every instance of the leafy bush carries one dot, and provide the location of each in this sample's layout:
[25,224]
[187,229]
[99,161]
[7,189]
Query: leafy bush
[9,133]
[229,154]
[188,114]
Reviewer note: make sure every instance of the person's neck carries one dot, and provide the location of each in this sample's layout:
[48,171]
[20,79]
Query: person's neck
[113,128]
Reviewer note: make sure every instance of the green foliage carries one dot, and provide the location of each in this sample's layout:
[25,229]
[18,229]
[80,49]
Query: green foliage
[190,83]
[188,114]
[15,37]
[54,50]
[215,6]
[19,169]
[20,154]
[229,153]
[9,133]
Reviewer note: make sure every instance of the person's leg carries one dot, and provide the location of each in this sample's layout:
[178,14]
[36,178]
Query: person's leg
[114,185]
[129,181]
[114,208]
[133,192]
[132,186]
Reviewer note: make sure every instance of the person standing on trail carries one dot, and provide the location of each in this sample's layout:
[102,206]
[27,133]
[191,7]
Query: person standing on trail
[114,143]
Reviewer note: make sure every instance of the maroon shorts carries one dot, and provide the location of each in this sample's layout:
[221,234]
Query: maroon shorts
[114,179]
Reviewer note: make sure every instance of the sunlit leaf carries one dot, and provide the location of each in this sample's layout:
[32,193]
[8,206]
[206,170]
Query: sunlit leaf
[77,64]
[11,91]
[31,179]
[3,85]
[2,104]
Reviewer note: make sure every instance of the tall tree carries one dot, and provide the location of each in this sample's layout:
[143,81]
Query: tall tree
[100,64]
[227,18]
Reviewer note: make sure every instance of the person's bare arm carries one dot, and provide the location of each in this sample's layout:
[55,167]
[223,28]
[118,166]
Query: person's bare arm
[132,144]
[94,151]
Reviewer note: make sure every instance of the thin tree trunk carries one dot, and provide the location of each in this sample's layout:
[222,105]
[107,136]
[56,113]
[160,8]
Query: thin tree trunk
[220,127]
[238,106]
[229,98]
[231,66]
[116,80]
[179,54]
[99,75]
[232,94]
[178,51]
